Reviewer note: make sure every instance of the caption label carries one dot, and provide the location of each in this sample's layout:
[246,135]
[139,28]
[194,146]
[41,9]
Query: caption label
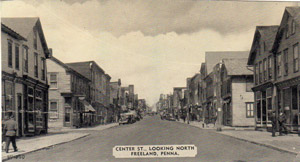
[154,151]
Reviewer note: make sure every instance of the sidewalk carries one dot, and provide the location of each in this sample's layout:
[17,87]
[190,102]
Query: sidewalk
[289,143]
[36,143]
[54,137]
[95,128]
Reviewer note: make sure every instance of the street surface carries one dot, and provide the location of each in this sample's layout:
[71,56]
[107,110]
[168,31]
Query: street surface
[153,131]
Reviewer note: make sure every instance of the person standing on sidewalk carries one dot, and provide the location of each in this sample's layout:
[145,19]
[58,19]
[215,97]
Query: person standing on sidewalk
[11,128]
[282,120]
[273,119]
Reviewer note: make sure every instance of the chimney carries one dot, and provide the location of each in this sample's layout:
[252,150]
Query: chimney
[50,52]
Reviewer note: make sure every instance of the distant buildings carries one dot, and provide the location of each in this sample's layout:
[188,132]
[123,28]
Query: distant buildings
[80,93]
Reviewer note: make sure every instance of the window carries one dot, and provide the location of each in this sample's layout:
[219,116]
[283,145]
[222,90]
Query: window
[279,65]
[256,69]
[265,69]
[53,81]
[36,73]
[25,57]
[285,62]
[260,72]
[43,69]
[265,46]
[249,110]
[293,27]
[53,110]
[35,39]
[17,57]
[270,67]
[296,57]
[10,59]
[287,34]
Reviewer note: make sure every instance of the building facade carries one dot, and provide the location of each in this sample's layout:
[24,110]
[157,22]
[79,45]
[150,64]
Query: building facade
[69,96]
[24,81]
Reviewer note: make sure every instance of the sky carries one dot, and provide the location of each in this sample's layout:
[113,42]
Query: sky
[154,45]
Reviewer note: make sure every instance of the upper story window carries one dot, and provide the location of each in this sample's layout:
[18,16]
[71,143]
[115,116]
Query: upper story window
[36,73]
[25,59]
[285,61]
[287,32]
[258,48]
[265,47]
[260,72]
[53,80]
[10,56]
[17,57]
[265,69]
[43,68]
[296,57]
[293,27]
[279,65]
[256,71]
[35,39]
[270,67]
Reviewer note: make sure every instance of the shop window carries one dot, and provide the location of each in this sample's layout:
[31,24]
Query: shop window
[53,81]
[285,62]
[53,110]
[17,57]
[249,110]
[25,59]
[8,96]
[296,57]
[10,56]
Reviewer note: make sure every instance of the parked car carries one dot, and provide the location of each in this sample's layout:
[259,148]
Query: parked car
[127,118]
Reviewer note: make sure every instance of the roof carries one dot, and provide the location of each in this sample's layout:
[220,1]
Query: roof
[87,63]
[24,25]
[212,58]
[237,66]
[11,32]
[266,34]
[67,67]
[289,11]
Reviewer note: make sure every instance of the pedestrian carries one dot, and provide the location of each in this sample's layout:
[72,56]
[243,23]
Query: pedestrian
[273,120]
[11,128]
[282,122]
[4,132]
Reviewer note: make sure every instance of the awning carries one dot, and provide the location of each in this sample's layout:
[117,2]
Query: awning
[87,107]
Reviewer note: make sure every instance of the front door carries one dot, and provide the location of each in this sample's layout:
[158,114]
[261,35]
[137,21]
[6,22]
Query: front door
[295,109]
[67,116]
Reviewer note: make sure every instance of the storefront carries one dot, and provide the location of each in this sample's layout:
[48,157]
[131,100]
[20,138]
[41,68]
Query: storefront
[289,102]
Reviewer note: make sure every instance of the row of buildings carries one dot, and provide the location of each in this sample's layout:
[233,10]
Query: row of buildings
[241,88]
[44,92]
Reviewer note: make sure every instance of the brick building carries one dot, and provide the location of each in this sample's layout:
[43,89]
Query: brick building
[99,87]
[24,81]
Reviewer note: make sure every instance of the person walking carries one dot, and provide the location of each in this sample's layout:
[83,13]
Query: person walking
[10,128]
[282,121]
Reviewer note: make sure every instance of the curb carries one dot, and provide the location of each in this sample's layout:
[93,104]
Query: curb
[263,144]
[46,147]
[257,143]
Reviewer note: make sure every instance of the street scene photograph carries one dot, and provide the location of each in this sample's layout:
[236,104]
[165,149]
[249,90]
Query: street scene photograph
[150,81]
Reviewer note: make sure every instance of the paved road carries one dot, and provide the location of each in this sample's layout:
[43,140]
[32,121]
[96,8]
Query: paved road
[153,131]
